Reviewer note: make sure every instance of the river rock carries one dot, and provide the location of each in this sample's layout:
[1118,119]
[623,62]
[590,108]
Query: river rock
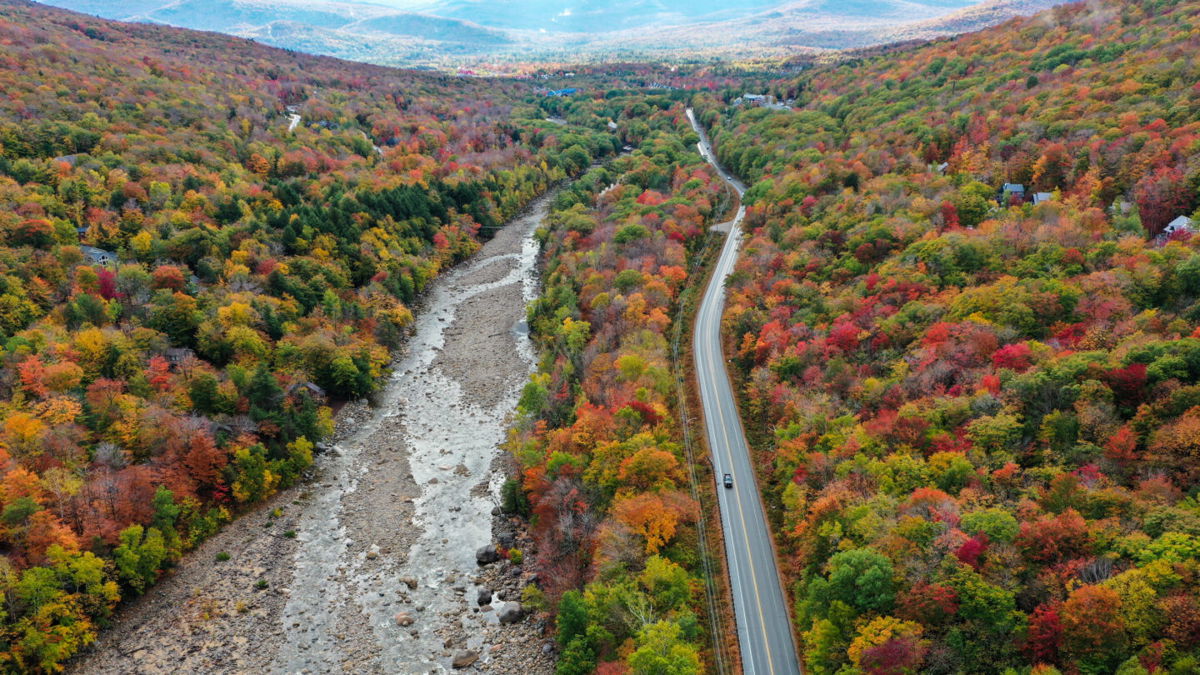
[505,539]
[404,619]
[464,659]
[511,612]
[484,597]
[486,555]
[410,582]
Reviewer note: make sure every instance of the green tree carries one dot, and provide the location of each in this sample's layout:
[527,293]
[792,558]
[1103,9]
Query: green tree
[997,524]
[661,650]
[864,579]
[576,658]
[139,558]
[572,617]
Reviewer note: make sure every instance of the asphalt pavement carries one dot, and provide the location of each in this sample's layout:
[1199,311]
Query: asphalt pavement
[759,604]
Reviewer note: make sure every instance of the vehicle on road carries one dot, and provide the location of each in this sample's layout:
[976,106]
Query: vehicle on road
[728,480]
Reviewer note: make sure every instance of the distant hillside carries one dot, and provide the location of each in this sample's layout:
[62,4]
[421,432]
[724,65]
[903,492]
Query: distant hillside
[451,33]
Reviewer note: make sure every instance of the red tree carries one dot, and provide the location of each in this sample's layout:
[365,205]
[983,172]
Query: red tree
[1161,197]
[1045,634]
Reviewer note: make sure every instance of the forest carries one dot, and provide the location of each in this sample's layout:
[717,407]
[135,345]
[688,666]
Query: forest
[188,285]
[965,326]
[605,475]
[975,414]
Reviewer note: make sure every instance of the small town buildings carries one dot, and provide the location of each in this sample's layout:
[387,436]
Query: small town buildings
[1039,197]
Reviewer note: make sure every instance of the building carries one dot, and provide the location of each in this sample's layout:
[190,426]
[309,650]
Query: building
[1010,192]
[1039,197]
[177,355]
[98,256]
[1180,224]
[313,390]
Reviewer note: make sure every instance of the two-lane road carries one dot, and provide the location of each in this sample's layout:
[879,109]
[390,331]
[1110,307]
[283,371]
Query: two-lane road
[759,605]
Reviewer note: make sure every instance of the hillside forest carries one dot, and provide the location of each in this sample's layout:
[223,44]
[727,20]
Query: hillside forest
[187,284]
[965,327]
[977,415]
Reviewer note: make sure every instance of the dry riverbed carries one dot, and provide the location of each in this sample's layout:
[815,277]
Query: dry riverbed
[371,566]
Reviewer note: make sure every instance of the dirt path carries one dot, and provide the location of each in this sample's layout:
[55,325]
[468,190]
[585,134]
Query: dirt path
[371,566]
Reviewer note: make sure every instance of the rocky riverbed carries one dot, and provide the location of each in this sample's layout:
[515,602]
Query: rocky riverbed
[374,565]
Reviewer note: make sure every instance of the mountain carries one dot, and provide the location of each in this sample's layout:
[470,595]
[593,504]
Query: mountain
[450,33]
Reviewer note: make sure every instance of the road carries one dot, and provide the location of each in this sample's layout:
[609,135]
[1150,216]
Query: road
[759,605]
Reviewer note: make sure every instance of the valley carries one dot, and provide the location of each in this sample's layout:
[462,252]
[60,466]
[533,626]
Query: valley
[380,574]
[778,358]
[511,36]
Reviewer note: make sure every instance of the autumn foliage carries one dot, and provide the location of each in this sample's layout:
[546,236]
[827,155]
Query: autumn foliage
[598,437]
[186,285]
[995,403]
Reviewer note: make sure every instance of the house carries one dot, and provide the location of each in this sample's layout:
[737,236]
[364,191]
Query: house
[98,256]
[312,389]
[1180,224]
[1039,197]
[1012,191]
[941,168]
[562,92]
[177,355]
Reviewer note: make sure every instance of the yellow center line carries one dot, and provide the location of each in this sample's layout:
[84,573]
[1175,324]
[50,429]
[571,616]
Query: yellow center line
[722,263]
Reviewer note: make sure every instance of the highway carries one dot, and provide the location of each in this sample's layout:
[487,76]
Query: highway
[759,605]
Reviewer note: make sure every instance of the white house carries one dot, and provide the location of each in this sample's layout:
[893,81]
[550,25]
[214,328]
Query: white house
[1180,224]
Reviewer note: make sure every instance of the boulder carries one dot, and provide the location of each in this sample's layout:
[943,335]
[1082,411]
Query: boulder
[484,597]
[464,659]
[505,539]
[511,612]
[486,555]
[404,619]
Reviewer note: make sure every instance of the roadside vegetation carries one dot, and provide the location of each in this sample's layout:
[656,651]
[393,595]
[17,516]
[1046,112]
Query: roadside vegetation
[598,438]
[976,413]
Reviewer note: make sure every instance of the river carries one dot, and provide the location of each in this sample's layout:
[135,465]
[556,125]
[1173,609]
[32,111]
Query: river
[370,567]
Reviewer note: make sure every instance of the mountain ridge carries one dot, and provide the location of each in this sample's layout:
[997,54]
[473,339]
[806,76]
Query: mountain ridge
[452,33]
